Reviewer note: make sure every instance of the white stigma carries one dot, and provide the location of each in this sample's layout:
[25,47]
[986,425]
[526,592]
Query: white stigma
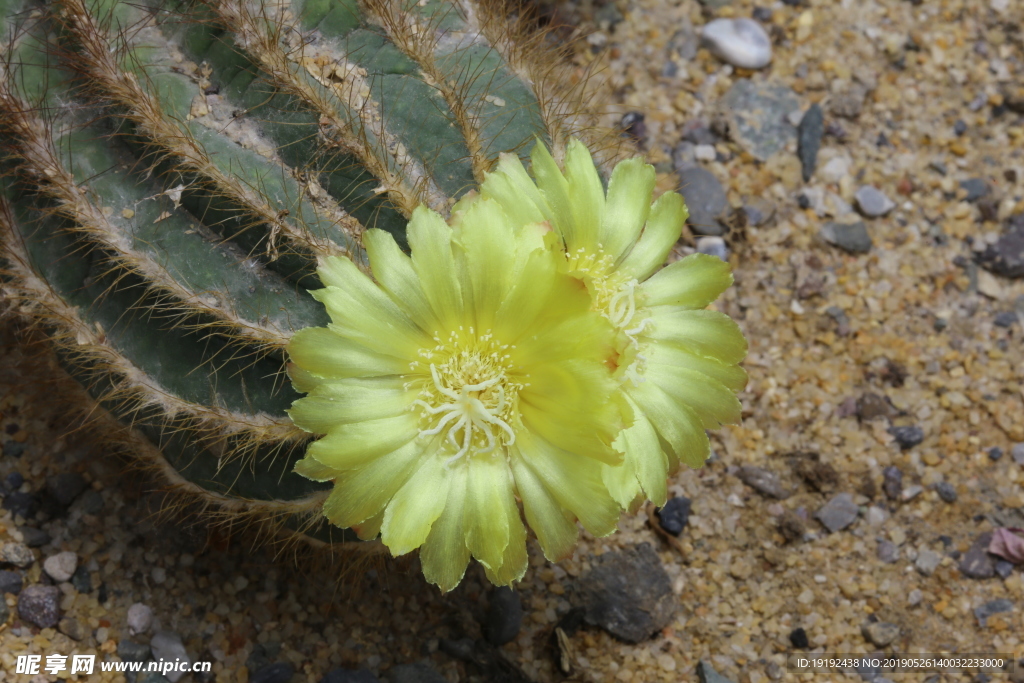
[468,391]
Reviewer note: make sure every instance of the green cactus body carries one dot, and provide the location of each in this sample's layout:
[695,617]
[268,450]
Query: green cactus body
[173,175]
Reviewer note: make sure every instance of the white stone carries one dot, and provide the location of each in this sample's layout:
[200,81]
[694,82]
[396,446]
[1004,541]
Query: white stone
[167,646]
[61,567]
[740,42]
[705,152]
[835,169]
[140,618]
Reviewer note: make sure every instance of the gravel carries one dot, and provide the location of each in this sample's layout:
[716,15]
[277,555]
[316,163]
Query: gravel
[946,491]
[10,582]
[764,481]
[851,237]
[880,633]
[983,612]
[838,513]
[504,616]
[139,618]
[17,554]
[40,605]
[675,515]
[705,199]
[61,567]
[740,42]
[809,132]
[872,203]
[976,562]
[927,562]
[907,436]
[167,645]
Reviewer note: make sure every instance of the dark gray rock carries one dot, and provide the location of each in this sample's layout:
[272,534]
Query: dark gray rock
[838,513]
[628,594]
[675,515]
[851,237]
[798,639]
[279,672]
[881,633]
[414,673]
[756,116]
[66,487]
[989,608]
[765,482]
[13,449]
[757,211]
[707,674]
[908,436]
[1006,319]
[40,605]
[705,197]
[872,202]
[349,676]
[17,554]
[946,491]
[1006,256]
[82,580]
[33,537]
[976,188]
[504,616]
[887,551]
[10,582]
[808,139]
[976,562]
[21,504]
[1003,568]
[995,453]
[130,651]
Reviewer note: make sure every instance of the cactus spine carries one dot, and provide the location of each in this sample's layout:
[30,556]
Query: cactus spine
[172,174]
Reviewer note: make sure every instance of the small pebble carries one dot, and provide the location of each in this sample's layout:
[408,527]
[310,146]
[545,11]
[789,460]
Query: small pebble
[130,651]
[21,504]
[887,551]
[852,237]
[927,562]
[66,487]
[167,645]
[61,567]
[82,580]
[908,436]
[872,203]
[911,492]
[976,562]
[17,554]
[1005,319]
[995,453]
[72,628]
[741,42]
[1017,453]
[33,537]
[881,633]
[713,246]
[876,516]
[838,513]
[946,491]
[13,449]
[915,597]
[959,127]
[14,481]
[40,605]
[983,612]
[675,515]
[10,582]
[762,14]
[808,135]
[976,188]
[707,674]
[140,618]
[798,639]
[892,482]
[504,616]
[634,125]
[764,481]
[159,575]
[705,197]
[1003,568]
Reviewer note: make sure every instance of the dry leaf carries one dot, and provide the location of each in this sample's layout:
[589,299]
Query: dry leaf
[1008,544]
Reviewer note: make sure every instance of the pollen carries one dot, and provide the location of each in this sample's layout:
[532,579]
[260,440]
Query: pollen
[469,395]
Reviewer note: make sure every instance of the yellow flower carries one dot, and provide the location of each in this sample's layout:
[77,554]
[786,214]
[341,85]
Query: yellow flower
[676,363]
[455,381]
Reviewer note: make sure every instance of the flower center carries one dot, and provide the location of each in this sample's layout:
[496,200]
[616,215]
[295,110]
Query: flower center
[470,397]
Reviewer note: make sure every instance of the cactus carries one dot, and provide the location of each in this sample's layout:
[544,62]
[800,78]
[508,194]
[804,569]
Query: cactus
[172,175]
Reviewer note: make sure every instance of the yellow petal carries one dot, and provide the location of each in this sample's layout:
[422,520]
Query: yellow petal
[444,555]
[574,481]
[713,402]
[336,402]
[663,229]
[705,333]
[512,187]
[416,507]
[363,493]
[490,510]
[487,241]
[394,272]
[675,422]
[554,525]
[555,189]
[315,470]
[629,203]
[644,460]
[586,196]
[432,259]
[325,353]
[693,282]
[370,529]
[514,560]
[352,446]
